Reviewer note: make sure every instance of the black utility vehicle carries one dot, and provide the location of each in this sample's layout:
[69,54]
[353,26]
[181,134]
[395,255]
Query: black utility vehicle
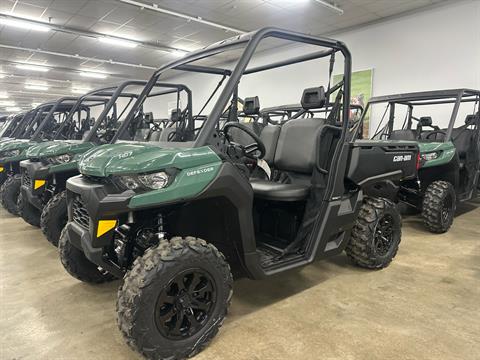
[445,124]
[173,219]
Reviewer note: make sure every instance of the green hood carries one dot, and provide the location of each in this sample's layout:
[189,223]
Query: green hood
[14,145]
[446,152]
[58,147]
[138,158]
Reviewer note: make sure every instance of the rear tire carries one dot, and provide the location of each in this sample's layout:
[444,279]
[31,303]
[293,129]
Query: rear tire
[174,299]
[376,234]
[28,212]
[54,217]
[77,264]
[9,192]
[439,206]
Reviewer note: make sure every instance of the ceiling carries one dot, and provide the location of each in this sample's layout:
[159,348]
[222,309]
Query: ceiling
[72,44]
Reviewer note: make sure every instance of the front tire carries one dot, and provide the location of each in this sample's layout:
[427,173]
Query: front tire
[9,193]
[28,212]
[77,264]
[54,217]
[439,206]
[376,234]
[174,299]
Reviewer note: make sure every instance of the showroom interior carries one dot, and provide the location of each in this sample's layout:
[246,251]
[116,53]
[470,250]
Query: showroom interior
[239,179]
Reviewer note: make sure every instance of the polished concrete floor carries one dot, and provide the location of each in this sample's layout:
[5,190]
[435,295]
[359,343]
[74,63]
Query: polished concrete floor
[426,305]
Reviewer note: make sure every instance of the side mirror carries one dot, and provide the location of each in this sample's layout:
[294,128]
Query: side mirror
[314,98]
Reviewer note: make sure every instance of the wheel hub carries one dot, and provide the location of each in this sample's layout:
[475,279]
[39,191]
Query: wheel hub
[383,239]
[185,304]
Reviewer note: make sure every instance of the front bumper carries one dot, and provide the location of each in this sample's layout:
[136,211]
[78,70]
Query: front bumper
[35,180]
[88,204]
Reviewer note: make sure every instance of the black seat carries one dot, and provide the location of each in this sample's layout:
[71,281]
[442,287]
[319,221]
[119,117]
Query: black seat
[269,137]
[294,154]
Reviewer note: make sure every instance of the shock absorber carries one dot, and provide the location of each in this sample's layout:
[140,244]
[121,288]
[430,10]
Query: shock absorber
[161,234]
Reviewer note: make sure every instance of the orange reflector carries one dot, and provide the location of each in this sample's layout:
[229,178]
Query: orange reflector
[105,226]
[38,184]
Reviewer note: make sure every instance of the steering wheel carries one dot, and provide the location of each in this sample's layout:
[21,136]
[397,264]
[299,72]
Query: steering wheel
[435,132]
[255,150]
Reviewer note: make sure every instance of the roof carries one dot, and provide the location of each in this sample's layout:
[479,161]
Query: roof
[425,95]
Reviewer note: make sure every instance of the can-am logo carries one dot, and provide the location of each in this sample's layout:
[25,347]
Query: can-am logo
[200,171]
[401,158]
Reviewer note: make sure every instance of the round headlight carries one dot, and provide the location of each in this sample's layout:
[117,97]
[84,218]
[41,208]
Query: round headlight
[129,182]
[11,153]
[154,181]
[65,158]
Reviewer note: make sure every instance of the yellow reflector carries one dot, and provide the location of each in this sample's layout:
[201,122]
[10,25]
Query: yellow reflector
[1,169]
[38,184]
[105,226]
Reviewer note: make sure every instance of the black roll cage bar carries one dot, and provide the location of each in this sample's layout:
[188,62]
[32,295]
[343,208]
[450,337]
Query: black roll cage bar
[251,40]
[37,114]
[171,89]
[56,105]
[435,97]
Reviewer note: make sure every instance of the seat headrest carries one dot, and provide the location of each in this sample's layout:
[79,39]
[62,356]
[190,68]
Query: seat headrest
[471,119]
[149,116]
[425,121]
[175,115]
[251,106]
[314,98]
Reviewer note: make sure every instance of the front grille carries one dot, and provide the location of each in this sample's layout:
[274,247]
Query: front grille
[26,179]
[80,213]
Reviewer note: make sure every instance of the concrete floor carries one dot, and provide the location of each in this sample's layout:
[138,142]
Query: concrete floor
[426,305]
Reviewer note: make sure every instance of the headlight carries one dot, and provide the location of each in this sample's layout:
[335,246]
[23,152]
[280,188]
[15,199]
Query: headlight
[154,181]
[430,156]
[130,182]
[10,153]
[60,159]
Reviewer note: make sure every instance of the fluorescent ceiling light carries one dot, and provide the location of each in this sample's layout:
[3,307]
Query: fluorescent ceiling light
[178,53]
[330,6]
[13,109]
[7,103]
[80,90]
[32,67]
[2,76]
[3,96]
[118,42]
[36,87]
[26,25]
[95,75]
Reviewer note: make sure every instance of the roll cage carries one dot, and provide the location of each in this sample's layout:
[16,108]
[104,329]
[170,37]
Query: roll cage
[249,42]
[452,96]
[186,116]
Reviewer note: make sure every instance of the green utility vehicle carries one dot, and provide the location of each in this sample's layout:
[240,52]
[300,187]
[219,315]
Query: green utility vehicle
[46,121]
[174,219]
[13,129]
[50,164]
[446,126]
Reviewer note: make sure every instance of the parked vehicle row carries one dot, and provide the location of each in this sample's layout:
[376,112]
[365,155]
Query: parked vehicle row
[176,203]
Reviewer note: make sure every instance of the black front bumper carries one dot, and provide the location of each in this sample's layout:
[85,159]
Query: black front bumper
[31,171]
[100,202]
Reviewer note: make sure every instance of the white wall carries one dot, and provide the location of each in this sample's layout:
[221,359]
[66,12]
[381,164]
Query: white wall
[435,49]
